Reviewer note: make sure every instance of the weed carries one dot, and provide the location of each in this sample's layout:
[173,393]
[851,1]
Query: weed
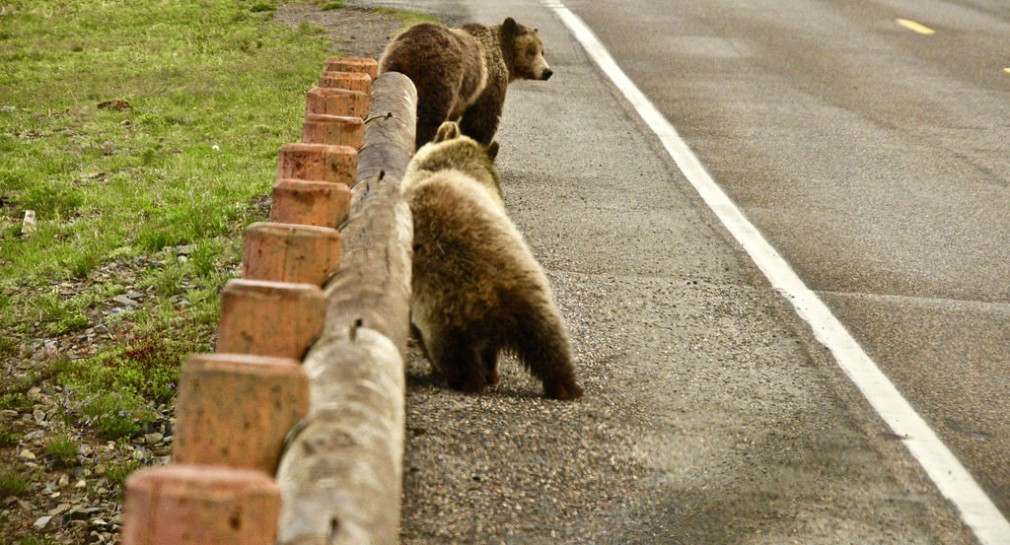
[63,450]
[15,401]
[116,414]
[70,323]
[12,484]
[262,6]
[119,471]
[9,346]
[332,5]
[204,258]
[30,540]
[115,392]
[8,439]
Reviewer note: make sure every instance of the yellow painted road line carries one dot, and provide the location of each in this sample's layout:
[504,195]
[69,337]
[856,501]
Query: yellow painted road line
[915,27]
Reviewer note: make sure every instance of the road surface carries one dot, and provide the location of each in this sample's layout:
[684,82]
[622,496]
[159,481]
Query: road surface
[871,156]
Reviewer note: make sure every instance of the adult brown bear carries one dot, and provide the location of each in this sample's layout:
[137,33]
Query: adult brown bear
[461,74]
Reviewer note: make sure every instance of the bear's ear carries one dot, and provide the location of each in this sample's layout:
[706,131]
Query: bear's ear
[492,150]
[510,26]
[447,131]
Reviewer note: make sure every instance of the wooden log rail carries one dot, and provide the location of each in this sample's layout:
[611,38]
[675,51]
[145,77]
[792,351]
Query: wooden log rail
[340,474]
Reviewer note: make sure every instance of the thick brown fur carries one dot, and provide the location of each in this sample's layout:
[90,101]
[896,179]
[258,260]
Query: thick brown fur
[477,290]
[461,74]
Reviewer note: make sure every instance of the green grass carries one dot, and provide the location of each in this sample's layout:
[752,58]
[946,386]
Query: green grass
[8,439]
[331,6]
[116,393]
[195,74]
[408,18]
[131,128]
[119,471]
[29,540]
[12,484]
[62,450]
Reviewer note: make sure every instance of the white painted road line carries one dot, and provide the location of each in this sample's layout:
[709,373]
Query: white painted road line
[950,477]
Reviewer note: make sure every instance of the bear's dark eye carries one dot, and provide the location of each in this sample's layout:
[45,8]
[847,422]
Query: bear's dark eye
[532,52]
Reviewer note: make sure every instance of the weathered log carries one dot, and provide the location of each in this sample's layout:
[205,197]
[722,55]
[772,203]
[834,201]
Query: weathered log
[389,128]
[340,474]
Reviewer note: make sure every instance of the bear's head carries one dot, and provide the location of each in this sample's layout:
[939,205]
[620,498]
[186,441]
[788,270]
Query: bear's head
[523,51]
[453,150]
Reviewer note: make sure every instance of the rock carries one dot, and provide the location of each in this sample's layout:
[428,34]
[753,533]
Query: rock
[8,414]
[26,455]
[153,438]
[64,480]
[125,301]
[59,509]
[39,415]
[98,523]
[101,328]
[42,522]
[35,393]
[80,484]
[82,513]
[185,249]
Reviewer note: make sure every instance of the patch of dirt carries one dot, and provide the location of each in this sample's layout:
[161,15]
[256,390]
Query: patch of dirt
[79,500]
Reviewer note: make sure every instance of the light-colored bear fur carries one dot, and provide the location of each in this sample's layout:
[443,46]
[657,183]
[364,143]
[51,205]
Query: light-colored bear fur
[477,290]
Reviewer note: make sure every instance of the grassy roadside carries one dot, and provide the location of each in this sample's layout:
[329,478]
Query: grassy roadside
[144,136]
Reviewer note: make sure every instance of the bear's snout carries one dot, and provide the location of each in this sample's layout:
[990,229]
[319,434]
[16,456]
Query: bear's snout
[547,74]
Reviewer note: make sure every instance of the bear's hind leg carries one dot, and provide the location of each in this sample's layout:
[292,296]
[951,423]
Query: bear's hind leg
[542,346]
[489,357]
[461,362]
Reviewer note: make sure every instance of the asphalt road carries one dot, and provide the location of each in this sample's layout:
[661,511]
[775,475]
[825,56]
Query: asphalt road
[872,157]
[875,159]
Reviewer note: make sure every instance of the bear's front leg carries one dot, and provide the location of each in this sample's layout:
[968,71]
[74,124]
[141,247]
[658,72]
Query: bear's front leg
[480,120]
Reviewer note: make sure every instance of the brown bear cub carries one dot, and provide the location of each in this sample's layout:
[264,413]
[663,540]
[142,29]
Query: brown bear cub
[477,290]
[461,73]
